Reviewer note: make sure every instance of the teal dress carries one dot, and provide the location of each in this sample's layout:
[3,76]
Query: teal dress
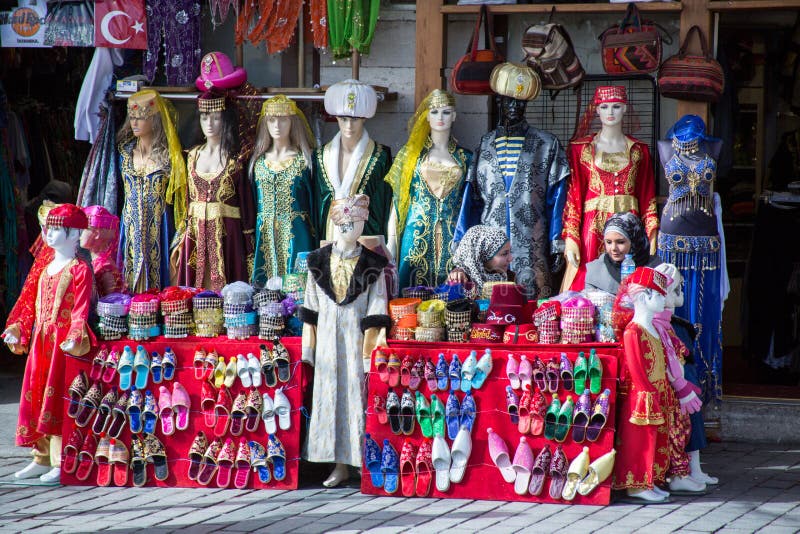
[283,223]
[436,194]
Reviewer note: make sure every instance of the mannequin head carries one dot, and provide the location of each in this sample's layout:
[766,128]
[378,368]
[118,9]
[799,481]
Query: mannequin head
[611,113]
[515,85]
[63,240]
[351,128]
[441,111]
[144,124]
[674,297]
[646,300]
[512,110]
[211,124]
[219,122]
[281,123]
[347,234]
[348,216]
[102,235]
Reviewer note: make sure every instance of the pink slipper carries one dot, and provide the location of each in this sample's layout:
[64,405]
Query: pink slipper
[165,411]
[180,405]
[523,463]
[525,371]
[241,468]
[499,454]
[512,370]
[225,461]
[111,366]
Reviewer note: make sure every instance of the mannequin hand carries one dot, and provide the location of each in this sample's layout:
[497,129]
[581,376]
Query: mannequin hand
[653,245]
[572,253]
[10,338]
[68,345]
[691,403]
[458,276]
[557,263]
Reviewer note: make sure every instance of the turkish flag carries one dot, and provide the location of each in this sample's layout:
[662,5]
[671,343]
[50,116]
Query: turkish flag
[120,24]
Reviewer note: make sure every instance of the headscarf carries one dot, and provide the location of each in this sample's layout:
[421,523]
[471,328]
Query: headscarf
[630,225]
[478,246]
[590,122]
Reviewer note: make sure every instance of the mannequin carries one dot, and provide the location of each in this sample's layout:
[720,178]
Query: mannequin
[610,172]
[517,183]
[691,237]
[281,174]
[427,179]
[101,239]
[344,312]
[49,320]
[153,175]
[216,245]
[351,163]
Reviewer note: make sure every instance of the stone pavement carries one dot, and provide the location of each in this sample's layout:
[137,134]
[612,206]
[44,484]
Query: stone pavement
[759,491]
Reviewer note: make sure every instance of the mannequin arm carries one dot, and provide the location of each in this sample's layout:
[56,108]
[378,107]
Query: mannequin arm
[308,313]
[572,252]
[11,336]
[653,243]
[392,235]
[80,338]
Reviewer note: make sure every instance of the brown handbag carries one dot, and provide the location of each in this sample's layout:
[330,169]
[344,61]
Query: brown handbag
[632,47]
[549,51]
[470,76]
[691,77]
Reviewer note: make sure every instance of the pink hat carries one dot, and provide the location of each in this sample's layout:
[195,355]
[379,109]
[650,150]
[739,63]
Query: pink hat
[99,217]
[217,71]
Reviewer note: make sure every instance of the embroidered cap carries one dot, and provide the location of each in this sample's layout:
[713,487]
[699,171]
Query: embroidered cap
[351,98]
[99,217]
[143,105]
[610,93]
[350,209]
[210,102]
[516,81]
[278,106]
[67,216]
[217,71]
[649,278]
[441,99]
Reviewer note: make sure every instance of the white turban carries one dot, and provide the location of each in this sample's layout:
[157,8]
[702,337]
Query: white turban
[351,98]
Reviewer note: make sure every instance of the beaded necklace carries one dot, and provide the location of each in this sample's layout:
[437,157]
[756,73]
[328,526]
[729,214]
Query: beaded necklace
[686,147]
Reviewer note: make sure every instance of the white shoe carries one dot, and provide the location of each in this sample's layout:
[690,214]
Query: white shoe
[255,369]
[660,491]
[686,484]
[647,496]
[268,414]
[52,477]
[704,478]
[282,409]
[243,371]
[32,470]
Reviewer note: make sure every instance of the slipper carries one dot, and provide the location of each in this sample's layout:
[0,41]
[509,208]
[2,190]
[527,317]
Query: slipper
[268,414]
[168,363]
[558,473]
[599,416]
[258,459]
[578,469]
[89,404]
[255,370]
[69,456]
[119,462]
[125,369]
[468,371]
[551,417]
[253,410]
[564,420]
[141,366]
[525,372]
[390,467]
[512,371]
[424,468]
[394,370]
[241,467]
[407,474]
[101,459]
[440,456]
[512,403]
[138,463]
[581,419]
[454,373]
[417,374]
[430,375]
[393,411]
[633,499]
[99,361]
[237,420]
[281,358]
[277,456]
[103,417]
[579,371]
[199,363]
[441,373]
[230,373]
[111,366]
[77,390]
[243,372]
[405,370]
[524,411]
[222,412]
[498,452]
[219,372]
[483,369]
[423,415]
[268,366]
[225,460]
[540,467]
[209,399]
[86,457]
[181,404]
[551,375]
[379,405]
[597,472]
[156,367]
[372,460]
[437,415]
[452,414]
[565,370]
[522,465]
[462,448]
[208,466]
[118,416]
[468,411]
[381,365]
[155,454]
[196,451]
[282,409]
[538,374]
[407,413]
[538,411]
[149,413]
[595,372]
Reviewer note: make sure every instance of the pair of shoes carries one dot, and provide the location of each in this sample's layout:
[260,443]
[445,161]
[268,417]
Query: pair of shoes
[459,414]
[450,464]
[88,404]
[591,370]
[173,408]
[430,416]
[278,407]
[32,470]
[275,363]
[274,454]
[111,456]
[448,375]
[248,369]
[531,412]
[416,468]
[588,423]
[583,477]
[558,419]
[103,413]
[474,372]
[204,363]
[398,413]
[104,365]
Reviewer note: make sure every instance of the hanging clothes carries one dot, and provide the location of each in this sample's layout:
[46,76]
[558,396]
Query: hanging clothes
[93,92]
[177,23]
[100,179]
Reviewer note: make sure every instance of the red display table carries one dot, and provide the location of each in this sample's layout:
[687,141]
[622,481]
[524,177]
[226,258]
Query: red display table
[177,446]
[482,479]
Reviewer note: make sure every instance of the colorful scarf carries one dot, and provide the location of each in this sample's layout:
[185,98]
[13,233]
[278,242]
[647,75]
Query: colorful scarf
[478,246]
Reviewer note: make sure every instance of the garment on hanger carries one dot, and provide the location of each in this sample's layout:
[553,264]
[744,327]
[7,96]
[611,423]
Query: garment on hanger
[177,24]
[93,92]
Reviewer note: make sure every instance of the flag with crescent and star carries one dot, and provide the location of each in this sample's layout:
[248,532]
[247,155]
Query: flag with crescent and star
[120,24]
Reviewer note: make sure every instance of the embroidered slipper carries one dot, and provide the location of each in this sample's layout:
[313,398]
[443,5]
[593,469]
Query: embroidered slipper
[394,370]
[524,410]
[538,411]
[565,370]
[168,363]
[468,371]
[277,456]
[243,372]
[407,473]
[430,375]
[393,411]
[77,390]
[155,454]
[512,371]
[99,361]
[579,371]
[208,396]
[225,460]
[423,410]
[407,413]
[254,367]
[196,451]
[219,372]
[103,417]
[222,412]
[390,467]
[564,420]
[86,457]
[138,462]
[282,409]
[141,366]
[498,452]
[69,457]
[483,369]
[551,418]
[405,370]
[437,415]
[440,457]
[468,411]
[441,373]
[580,421]
[381,365]
[230,373]
[558,473]
[551,375]
[523,465]
[268,414]
[525,372]
[281,357]
[512,403]
[372,460]
[452,415]
[208,467]
[595,372]
[237,418]
[181,405]
[199,363]
[597,473]
[268,367]
[540,468]
[89,404]
[149,413]
[119,462]
[379,406]
[156,367]
[538,374]
[599,416]
[125,368]
[454,373]
[101,457]
[253,410]
[578,469]
[424,468]
[118,416]
[417,374]
[165,411]
[241,467]
[462,448]
[111,366]
[258,459]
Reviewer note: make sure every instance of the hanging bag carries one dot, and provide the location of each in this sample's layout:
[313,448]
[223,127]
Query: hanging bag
[691,77]
[549,51]
[470,76]
[632,47]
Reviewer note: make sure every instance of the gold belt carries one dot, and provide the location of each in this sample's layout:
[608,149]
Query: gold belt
[213,210]
[612,203]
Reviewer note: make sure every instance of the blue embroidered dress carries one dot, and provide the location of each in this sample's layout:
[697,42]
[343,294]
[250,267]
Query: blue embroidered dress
[436,194]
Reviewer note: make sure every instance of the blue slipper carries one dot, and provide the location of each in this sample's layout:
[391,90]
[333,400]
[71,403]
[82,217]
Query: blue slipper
[156,367]
[149,414]
[277,456]
[168,364]
[125,369]
[452,412]
[372,459]
[258,459]
[441,373]
[468,371]
[483,369]
[455,375]
[468,410]
[390,467]
[141,366]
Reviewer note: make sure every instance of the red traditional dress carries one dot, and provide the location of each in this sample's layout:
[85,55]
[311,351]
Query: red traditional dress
[601,184]
[51,309]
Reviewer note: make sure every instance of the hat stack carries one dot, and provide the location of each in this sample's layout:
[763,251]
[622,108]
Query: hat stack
[547,319]
[506,305]
[577,320]
[176,307]
[270,309]
[240,319]
[604,304]
[113,312]
[143,317]
[207,310]
[403,312]
[430,321]
[458,317]
[422,293]
[448,292]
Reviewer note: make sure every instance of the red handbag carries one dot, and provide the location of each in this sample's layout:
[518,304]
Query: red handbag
[470,76]
[691,77]
[632,47]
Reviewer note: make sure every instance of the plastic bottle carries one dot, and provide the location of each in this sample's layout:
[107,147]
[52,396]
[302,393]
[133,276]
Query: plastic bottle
[628,266]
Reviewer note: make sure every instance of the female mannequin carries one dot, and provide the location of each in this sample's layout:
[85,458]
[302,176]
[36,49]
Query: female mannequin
[351,163]
[281,174]
[49,320]
[610,172]
[691,238]
[427,178]
[218,233]
[101,239]
[153,175]
[344,312]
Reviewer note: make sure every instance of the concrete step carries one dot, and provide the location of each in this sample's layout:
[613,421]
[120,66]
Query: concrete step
[758,420]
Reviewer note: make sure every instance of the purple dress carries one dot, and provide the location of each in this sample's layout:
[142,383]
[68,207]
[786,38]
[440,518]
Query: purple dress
[178,22]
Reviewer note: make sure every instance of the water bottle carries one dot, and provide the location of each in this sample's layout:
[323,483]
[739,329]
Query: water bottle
[628,266]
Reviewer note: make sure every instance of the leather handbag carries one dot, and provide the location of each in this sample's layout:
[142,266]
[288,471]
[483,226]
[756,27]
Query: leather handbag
[470,76]
[632,47]
[549,51]
[691,77]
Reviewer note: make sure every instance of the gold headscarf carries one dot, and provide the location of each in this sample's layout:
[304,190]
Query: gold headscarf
[283,106]
[402,170]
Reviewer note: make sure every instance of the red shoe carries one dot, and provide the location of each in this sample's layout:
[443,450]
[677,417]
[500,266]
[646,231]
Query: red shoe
[525,411]
[225,460]
[86,457]
[424,468]
[222,412]
[407,471]
[69,458]
[405,370]
[208,395]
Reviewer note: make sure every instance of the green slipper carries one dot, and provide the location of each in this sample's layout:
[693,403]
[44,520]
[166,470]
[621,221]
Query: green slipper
[551,417]
[437,411]
[595,373]
[424,415]
[579,374]
[564,420]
